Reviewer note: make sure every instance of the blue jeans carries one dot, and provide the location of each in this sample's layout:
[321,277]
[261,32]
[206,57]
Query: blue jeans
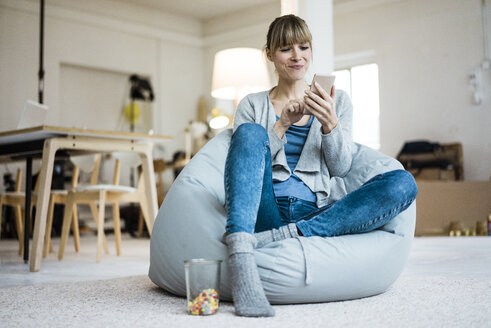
[252,206]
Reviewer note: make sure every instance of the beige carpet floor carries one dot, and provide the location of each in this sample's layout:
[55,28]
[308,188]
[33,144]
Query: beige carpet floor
[446,283]
[413,301]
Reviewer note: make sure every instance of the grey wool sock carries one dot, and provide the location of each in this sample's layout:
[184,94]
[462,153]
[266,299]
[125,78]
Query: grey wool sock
[283,232]
[247,290]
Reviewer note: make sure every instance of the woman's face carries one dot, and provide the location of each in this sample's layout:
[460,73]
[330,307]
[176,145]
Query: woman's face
[292,62]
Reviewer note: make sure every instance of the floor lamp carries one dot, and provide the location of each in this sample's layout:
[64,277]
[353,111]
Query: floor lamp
[238,72]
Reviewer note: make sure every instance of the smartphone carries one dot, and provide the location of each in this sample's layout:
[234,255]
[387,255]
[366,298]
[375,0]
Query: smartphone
[326,82]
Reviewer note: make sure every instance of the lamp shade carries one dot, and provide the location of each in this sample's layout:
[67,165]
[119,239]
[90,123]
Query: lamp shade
[237,72]
[219,119]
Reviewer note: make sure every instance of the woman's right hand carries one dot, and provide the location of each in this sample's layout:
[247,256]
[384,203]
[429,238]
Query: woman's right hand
[291,113]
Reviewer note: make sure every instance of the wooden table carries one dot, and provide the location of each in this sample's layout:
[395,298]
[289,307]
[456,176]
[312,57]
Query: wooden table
[45,141]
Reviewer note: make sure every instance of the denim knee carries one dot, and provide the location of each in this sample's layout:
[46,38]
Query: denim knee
[404,184]
[252,132]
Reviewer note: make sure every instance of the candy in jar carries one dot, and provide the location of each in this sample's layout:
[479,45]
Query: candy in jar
[205,303]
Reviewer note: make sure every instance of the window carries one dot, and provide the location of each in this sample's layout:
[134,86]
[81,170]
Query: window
[361,84]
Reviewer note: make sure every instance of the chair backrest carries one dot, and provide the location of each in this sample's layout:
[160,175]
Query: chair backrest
[86,163]
[129,159]
[34,114]
[92,163]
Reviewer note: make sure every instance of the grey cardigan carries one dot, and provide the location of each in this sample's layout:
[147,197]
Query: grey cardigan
[324,156]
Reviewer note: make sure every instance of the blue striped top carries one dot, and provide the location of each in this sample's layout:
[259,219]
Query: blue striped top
[293,186]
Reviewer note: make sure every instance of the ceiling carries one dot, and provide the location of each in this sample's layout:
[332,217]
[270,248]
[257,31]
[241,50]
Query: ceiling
[199,9]
[204,9]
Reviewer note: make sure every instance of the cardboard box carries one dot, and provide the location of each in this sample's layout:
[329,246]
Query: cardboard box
[433,174]
[444,163]
[441,202]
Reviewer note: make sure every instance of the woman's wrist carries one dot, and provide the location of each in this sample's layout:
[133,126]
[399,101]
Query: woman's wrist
[280,129]
[326,129]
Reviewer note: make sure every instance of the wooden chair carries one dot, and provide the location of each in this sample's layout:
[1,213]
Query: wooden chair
[15,199]
[88,163]
[102,194]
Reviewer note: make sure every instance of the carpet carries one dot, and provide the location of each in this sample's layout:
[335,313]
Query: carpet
[413,301]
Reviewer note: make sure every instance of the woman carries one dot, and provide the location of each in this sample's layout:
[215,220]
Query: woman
[288,143]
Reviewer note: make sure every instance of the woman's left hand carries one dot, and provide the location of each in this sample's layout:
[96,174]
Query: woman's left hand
[323,107]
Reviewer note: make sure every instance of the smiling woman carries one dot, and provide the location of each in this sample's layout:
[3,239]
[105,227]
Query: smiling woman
[289,148]
[289,47]
[288,143]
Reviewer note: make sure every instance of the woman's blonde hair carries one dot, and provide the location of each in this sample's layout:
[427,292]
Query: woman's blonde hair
[285,31]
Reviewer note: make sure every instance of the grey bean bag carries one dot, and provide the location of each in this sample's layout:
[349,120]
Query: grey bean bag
[191,222]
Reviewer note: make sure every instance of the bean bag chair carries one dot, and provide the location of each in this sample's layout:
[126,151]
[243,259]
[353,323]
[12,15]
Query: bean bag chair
[191,223]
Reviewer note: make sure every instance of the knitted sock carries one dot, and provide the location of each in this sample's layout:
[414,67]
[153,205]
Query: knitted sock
[247,290]
[283,232]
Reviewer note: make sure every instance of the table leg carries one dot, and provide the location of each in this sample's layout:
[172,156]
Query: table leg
[45,176]
[27,208]
[150,192]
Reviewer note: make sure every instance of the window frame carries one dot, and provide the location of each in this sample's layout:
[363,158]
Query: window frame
[348,65]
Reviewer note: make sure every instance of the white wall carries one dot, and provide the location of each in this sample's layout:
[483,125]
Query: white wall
[425,50]
[98,35]
[104,37]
